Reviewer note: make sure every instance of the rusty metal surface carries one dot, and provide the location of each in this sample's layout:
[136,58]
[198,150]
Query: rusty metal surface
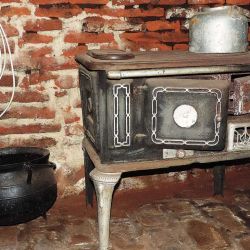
[123,74]
[165,59]
[239,119]
[199,157]
[240,96]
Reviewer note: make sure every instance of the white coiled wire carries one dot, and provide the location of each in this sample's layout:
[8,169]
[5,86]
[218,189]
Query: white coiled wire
[4,53]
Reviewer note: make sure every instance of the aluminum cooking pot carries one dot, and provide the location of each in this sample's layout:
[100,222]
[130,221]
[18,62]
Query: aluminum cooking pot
[219,30]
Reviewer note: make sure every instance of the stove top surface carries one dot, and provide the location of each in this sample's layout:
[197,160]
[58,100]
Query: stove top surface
[112,60]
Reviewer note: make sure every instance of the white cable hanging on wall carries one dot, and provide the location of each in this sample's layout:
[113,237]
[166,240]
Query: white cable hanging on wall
[4,54]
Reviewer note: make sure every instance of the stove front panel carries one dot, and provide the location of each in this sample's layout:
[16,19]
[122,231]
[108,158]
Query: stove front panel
[186,113]
[167,113]
[141,118]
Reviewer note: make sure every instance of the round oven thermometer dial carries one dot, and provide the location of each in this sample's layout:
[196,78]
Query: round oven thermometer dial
[185,116]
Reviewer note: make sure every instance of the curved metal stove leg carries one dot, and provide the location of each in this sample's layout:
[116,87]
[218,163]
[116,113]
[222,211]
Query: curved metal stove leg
[104,186]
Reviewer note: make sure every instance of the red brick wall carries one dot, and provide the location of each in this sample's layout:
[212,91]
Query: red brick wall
[45,35]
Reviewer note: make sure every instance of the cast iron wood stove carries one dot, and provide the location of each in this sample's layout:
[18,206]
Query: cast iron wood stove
[152,110]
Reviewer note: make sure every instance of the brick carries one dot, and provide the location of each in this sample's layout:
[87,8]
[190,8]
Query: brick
[179,207]
[43,25]
[88,1]
[170,2]
[129,2]
[99,24]
[24,97]
[10,1]
[29,129]
[70,117]
[34,38]
[66,82]
[144,40]
[228,220]
[206,1]
[174,37]
[93,24]
[77,103]
[54,64]
[112,45]
[12,45]
[74,129]
[61,93]
[154,12]
[89,38]
[36,78]
[148,46]
[182,47]
[151,216]
[30,142]
[25,62]
[141,37]
[40,52]
[245,242]
[120,25]
[22,112]
[162,25]
[180,13]
[74,51]
[7,81]
[153,2]
[5,97]
[10,30]
[14,11]
[45,2]
[66,12]
[40,88]
[238,2]
[206,235]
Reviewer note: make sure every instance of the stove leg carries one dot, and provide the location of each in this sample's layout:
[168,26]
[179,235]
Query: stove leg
[104,186]
[219,174]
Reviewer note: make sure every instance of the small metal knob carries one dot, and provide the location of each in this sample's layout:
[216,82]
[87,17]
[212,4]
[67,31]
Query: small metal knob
[218,118]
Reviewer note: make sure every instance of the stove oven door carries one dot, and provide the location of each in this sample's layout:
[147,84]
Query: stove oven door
[186,113]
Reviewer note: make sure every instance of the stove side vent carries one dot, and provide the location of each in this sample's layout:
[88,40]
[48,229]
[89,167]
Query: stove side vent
[238,136]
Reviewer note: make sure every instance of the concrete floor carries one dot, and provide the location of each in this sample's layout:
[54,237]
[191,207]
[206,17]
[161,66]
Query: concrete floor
[173,216]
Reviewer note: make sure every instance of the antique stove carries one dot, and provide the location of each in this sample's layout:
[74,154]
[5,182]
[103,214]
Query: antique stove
[151,110]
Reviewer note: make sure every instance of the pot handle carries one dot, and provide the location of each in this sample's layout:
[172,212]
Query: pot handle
[28,167]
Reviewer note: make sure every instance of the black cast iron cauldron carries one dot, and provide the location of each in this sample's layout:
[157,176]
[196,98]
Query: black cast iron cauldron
[28,186]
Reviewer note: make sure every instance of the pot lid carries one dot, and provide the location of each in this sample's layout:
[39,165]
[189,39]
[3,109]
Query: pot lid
[110,54]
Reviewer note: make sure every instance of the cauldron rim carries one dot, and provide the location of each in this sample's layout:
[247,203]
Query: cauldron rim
[42,153]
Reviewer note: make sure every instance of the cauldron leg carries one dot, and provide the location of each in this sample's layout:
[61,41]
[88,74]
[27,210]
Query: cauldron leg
[104,186]
[219,174]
